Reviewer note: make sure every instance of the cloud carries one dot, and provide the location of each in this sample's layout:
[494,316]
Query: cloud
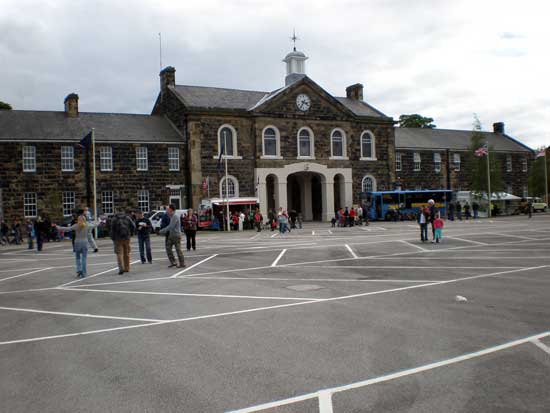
[445,60]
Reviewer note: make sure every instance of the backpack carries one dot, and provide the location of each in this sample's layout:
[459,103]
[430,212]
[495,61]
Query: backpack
[121,228]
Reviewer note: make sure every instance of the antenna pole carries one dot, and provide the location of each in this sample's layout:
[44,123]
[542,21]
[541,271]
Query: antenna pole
[160,50]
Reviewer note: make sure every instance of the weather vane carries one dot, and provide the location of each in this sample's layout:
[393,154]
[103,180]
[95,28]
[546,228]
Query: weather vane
[294,38]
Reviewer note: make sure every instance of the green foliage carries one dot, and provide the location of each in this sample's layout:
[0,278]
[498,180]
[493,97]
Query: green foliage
[5,106]
[415,121]
[536,177]
[478,164]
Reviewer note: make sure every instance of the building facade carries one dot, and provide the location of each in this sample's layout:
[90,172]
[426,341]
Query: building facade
[297,147]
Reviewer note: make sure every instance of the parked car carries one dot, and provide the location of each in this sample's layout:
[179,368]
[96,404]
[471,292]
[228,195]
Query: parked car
[539,205]
[156,217]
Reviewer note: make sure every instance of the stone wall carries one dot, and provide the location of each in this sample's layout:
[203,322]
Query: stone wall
[49,181]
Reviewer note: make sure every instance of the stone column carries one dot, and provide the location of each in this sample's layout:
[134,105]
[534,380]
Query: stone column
[348,190]
[262,196]
[328,199]
[281,193]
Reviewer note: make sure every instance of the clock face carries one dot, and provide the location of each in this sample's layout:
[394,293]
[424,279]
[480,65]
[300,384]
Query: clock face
[303,102]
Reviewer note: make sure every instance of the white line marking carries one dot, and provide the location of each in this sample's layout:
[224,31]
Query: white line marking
[468,240]
[388,377]
[312,232]
[27,273]
[255,236]
[274,263]
[406,267]
[188,294]
[317,279]
[353,254]
[257,309]
[540,345]
[95,275]
[414,245]
[31,310]
[325,402]
[366,229]
[274,235]
[29,290]
[193,266]
[330,232]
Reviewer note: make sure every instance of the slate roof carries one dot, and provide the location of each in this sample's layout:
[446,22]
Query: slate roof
[204,97]
[29,125]
[418,138]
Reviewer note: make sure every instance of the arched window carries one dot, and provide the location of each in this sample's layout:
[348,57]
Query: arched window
[270,142]
[368,184]
[338,144]
[368,146]
[227,139]
[305,143]
[232,187]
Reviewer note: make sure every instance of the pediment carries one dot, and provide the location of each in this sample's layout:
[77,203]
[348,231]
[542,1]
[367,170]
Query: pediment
[283,102]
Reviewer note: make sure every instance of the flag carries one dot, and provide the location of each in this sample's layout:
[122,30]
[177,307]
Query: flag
[483,151]
[222,150]
[542,152]
[86,141]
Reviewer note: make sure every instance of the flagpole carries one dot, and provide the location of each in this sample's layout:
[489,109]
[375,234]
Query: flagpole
[94,179]
[546,176]
[227,194]
[488,182]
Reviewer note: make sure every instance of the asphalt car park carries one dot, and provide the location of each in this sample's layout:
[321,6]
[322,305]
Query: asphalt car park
[319,320]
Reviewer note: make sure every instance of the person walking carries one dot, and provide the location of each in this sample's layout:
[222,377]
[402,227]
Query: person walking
[121,229]
[173,229]
[432,210]
[467,210]
[475,208]
[190,226]
[89,218]
[39,231]
[451,211]
[81,230]
[241,221]
[423,222]
[258,220]
[459,210]
[30,233]
[144,226]
[359,215]
[352,215]
[283,221]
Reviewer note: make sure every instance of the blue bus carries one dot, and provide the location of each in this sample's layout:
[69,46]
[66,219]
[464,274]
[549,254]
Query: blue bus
[400,205]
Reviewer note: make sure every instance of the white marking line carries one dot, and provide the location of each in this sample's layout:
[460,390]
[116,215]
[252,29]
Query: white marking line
[325,402]
[540,345]
[189,294]
[255,236]
[353,254]
[414,245]
[366,229]
[29,290]
[406,267]
[468,240]
[330,232]
[274,235]
[95,275]
[193,266]
[316,279]
[312,232]
[22,275]
[269,307]
[391,376]
[30,310]
[274,263]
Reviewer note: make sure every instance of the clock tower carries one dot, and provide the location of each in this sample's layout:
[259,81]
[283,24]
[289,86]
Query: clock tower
[295,64]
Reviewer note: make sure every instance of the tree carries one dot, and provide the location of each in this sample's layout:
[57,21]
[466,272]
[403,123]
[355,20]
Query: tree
[415,121]
[5,106]
[478,164]
[536,176]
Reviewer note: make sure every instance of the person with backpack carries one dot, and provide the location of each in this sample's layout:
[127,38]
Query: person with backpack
[173,230]
[121,230]
[144,227]
[190,226]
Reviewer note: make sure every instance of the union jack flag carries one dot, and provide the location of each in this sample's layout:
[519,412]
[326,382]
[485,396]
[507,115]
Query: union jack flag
[483,151]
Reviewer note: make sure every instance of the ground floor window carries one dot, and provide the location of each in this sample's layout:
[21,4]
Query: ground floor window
[29,204]
[368,184]
[143,200]
[107,202]
[68,203]
[232,187]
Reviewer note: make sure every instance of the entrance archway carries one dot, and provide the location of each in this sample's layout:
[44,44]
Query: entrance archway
[305,194]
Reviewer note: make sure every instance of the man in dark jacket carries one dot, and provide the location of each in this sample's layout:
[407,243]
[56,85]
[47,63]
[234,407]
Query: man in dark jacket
[121,230]
[144,226]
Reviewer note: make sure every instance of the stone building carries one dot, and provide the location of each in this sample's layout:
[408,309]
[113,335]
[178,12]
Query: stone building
[140,161]
[297,147]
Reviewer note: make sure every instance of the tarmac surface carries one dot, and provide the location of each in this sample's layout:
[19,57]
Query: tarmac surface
[362,319]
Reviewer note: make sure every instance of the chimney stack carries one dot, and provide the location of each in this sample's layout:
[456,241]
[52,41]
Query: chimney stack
[167,78]
[498,127]
[71,105]
[355,92]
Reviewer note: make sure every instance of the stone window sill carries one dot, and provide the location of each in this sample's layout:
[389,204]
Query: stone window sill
[305,157]
[227,157]
[341,158]
[271,157]
[367,159]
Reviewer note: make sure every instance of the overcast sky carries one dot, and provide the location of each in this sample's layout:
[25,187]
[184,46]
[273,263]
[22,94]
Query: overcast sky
[443,59]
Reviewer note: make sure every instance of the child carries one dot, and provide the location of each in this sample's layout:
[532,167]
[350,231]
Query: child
[438,227]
